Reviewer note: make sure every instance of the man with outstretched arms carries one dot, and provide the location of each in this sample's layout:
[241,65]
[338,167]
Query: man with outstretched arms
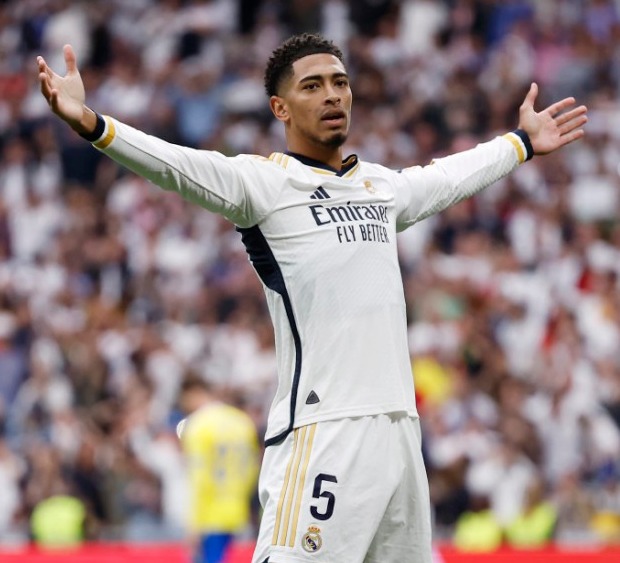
[320,231]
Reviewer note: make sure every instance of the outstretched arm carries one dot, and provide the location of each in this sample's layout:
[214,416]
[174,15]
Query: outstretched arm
[65,94]
[451,179]
[239,188]
[554,126]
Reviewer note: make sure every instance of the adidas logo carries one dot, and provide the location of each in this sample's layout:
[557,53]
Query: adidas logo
[313,398]
[320,193]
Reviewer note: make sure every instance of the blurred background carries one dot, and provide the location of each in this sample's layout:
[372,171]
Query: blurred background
[112,291]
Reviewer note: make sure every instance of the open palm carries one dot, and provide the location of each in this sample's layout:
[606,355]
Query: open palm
[554,126]
[64,94]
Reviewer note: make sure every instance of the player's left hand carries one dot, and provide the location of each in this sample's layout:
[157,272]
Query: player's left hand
[64,94]
[554,126]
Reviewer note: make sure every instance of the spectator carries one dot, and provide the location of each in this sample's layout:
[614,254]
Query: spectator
[477,530]
[534,526]
[59,520]
[12,469]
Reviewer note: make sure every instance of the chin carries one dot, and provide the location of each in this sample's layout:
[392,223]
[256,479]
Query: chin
[336,140]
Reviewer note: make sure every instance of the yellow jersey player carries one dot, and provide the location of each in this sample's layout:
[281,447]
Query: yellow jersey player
[221,447]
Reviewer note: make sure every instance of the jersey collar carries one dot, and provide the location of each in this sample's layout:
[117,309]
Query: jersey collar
[347,164]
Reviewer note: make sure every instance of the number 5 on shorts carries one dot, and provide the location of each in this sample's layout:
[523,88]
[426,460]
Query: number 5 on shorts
[318,493]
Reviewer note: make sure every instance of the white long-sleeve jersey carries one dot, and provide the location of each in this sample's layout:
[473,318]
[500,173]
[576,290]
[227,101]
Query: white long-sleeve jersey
[323,243]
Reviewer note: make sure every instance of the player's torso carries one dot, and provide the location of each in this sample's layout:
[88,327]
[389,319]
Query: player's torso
[328,252]
[333,238]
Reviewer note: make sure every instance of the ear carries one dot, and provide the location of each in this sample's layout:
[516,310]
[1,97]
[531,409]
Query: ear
[279,108]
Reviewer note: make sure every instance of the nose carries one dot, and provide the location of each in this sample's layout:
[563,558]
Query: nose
[333,100]
[333,97]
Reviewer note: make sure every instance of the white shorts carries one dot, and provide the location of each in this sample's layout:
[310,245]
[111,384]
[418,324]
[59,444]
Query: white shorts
[346,491]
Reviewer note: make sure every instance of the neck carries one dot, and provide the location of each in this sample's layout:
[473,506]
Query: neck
[331,156]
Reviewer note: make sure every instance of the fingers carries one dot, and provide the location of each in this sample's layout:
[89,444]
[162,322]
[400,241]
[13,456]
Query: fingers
[70,62]
[53,100]
[41,64]
[559,107]
[45,78]
[572,136]
[570,115]
[569,122]
[70,59]
[531,96]
[43,67]
[46,89]
[576,122]
[570,125]
[50,94]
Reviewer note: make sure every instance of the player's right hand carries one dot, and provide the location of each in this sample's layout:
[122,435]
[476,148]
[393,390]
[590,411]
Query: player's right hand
[64,94]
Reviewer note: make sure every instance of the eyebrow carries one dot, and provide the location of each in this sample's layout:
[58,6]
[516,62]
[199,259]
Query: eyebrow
[321,76]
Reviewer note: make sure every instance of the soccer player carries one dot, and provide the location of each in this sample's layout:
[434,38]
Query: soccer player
[221,447]
[342,479]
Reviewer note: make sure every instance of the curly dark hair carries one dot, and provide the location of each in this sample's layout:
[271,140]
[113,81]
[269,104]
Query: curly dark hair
[280,64]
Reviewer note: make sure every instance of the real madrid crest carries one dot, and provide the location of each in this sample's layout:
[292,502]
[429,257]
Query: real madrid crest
[311,540]
[369,187]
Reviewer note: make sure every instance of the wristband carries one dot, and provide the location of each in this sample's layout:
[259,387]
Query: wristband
[97,133]
[526,142]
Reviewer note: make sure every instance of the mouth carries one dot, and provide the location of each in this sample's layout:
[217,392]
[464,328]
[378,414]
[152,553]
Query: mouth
[335,117]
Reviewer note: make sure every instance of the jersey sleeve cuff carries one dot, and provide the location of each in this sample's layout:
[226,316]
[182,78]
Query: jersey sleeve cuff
[521,142]
[103,134]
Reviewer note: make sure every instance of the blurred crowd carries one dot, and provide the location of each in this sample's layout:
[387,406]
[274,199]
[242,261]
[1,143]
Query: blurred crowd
[112,292]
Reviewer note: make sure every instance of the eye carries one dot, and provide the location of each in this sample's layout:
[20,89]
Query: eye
[342,82]
[311,86]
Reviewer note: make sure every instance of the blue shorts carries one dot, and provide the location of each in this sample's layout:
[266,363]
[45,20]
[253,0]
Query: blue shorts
[212,548]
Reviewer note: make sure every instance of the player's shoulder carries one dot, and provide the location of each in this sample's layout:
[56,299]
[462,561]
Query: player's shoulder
[274,161]
[197,421]
[238,420]
[206,422]
[235,413]
[222,410]
[375,168]
[270,172]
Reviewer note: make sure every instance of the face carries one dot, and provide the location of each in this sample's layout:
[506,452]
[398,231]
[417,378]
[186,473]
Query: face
[315,103]
[191,400]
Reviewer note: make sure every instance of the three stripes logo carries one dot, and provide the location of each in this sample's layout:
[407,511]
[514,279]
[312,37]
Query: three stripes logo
[289,504]
[320,193]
